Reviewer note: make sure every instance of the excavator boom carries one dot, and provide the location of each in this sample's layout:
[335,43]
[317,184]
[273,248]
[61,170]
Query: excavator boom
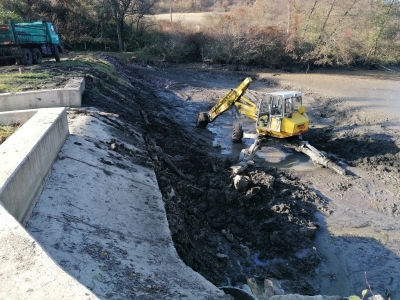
[230,99]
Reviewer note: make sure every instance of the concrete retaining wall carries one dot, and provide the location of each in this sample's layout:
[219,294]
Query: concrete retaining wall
[16,117]
[69,96]
[27,156]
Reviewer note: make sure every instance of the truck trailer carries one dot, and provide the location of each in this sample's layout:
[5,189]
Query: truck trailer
[27,42]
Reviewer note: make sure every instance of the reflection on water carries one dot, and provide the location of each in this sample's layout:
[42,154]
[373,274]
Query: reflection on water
[283,158]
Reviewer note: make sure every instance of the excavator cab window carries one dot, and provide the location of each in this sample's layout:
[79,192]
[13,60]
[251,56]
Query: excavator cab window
[292,105]
[265,104]
[276,105]
[296,102]
[271,105]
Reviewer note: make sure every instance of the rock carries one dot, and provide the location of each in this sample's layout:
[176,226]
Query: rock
[252,192]
[238,168]
[255,289]
[268,288]
[221,255]
[376,297]
[240,182]
[272,287]
[308,231]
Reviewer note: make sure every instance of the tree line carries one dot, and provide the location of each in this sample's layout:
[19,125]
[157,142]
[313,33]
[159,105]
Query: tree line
[278,34]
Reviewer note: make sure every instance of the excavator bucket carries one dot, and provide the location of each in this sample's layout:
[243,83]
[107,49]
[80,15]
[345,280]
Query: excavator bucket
[202,119]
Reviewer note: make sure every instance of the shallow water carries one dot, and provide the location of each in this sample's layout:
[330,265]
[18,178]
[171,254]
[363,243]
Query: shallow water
[366,89]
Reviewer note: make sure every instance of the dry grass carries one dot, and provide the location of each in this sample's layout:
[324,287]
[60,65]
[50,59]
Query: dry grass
[6,131]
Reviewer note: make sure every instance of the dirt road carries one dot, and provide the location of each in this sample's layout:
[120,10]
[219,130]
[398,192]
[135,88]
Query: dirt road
[314,231]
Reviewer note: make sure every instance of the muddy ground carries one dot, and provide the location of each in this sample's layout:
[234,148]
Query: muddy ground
[313,230]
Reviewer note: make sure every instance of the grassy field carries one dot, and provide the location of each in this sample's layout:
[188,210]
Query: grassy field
[15,82]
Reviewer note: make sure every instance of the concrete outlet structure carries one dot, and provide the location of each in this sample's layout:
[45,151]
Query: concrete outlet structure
[69,96]
[26,159]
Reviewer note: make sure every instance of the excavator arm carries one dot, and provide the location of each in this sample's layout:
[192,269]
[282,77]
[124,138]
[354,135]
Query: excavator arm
[230,99]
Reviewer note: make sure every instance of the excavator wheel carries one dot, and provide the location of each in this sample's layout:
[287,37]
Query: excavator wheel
[237,133]
[202,120]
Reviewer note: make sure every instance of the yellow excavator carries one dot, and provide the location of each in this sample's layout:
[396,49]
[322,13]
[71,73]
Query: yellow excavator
[278,116]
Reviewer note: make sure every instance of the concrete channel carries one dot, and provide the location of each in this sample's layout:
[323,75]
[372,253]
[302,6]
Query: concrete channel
[26,158]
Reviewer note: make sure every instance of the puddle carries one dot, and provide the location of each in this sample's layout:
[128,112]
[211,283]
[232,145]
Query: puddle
[274,156]
[283,159]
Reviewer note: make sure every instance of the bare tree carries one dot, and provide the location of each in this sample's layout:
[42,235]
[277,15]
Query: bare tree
[382,20]
[121,9]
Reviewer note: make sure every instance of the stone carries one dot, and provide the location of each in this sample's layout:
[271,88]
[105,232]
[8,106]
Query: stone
[240,182]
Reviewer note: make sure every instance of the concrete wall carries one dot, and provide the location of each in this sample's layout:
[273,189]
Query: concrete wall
[16,117]
[27,156]
[69,96]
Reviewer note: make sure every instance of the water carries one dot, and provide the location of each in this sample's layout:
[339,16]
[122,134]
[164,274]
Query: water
[274,156]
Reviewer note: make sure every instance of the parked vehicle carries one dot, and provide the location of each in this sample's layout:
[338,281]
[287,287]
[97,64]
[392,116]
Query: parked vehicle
[28,42]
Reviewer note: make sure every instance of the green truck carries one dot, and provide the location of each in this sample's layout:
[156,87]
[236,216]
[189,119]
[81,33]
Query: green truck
[26,43]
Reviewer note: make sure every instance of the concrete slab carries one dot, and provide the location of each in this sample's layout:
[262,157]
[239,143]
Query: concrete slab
[69,96]
[101,217]
[27,271]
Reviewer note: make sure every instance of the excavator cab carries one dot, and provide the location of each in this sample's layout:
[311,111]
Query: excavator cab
[281,115]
